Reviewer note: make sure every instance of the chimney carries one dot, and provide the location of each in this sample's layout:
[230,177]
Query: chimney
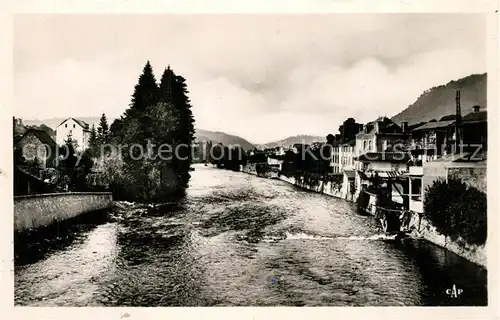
[476,108]
[404,126]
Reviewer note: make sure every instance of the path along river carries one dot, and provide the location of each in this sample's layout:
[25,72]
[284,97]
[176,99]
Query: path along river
[239,240]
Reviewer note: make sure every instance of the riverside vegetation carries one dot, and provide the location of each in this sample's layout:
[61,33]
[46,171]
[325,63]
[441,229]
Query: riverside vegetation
[158,115]
[457,211]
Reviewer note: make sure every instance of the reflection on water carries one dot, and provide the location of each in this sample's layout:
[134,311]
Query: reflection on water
[239,240]
[69,276]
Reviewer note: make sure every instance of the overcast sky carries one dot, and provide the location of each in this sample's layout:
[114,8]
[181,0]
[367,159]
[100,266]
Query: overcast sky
[263,77]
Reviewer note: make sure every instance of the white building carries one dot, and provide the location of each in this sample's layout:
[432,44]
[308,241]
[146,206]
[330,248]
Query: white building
[342,157]
[77,129]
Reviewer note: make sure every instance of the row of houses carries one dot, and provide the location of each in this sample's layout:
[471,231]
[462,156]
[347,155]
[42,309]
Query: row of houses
[38,143]
[406,160]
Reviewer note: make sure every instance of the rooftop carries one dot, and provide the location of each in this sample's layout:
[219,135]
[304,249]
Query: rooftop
[435,125]
[43,136]
[81,123]
[480,116]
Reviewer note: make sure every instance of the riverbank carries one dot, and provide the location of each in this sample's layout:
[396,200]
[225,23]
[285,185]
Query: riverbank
[422,229]
[425,230]
[42,210]
[238,240]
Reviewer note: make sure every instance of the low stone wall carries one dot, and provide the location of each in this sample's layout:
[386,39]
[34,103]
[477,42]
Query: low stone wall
[424,229]
[39,210]
[290,180]
[250,169]
[328,188]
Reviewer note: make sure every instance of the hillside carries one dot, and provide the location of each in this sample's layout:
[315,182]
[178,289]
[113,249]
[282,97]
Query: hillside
[438,102]
[221,137]
[306,139]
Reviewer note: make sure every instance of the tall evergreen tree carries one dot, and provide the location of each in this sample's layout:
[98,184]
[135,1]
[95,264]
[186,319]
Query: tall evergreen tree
[146,90]
[166,86]
[161,115]
[173,89]
[145,95]
[103,130]
[93,141]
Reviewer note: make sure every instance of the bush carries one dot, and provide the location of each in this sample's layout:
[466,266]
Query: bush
[457,210]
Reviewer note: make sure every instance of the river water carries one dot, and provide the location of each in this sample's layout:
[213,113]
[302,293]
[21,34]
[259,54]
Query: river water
[238,240]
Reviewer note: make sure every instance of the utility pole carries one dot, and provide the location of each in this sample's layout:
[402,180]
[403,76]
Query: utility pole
[458,122]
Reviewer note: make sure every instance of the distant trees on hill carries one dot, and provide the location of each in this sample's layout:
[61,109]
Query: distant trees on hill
[228,157]
[19,128]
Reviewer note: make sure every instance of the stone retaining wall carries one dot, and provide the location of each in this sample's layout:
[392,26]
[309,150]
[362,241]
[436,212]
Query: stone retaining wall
[39,210]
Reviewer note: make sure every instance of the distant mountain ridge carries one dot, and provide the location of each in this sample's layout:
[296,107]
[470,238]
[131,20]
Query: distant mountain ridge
[439,101]
[289,141]
[222,137]
[200,134]
[434,103]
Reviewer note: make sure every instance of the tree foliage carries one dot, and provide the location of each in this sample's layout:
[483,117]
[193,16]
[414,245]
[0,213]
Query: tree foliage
[456,210]
[103,130]
[93,142]
[156,134]
[74,166]
[173,91]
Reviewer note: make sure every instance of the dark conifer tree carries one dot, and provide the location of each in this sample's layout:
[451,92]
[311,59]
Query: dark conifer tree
[173,90]
[93,141]
[103,130]
[145,92]
[160,115]
[145,95]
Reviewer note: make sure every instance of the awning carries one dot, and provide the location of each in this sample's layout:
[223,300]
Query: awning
[350,174]
[385,175]
[392,174]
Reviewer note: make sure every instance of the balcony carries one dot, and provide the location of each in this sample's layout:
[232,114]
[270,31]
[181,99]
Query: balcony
[416,171]
[425,145]
[416,206]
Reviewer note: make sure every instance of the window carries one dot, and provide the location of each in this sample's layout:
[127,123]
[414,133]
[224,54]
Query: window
[416,189]
[73,125]
[65,125]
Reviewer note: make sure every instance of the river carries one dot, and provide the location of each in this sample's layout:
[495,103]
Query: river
[239,240]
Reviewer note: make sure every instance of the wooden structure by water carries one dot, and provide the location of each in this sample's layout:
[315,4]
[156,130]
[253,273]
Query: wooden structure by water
[376,200]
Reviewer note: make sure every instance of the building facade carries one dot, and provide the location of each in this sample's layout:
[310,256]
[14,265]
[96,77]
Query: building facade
[76,129]
[381,150]
[37,144]
[342,157]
